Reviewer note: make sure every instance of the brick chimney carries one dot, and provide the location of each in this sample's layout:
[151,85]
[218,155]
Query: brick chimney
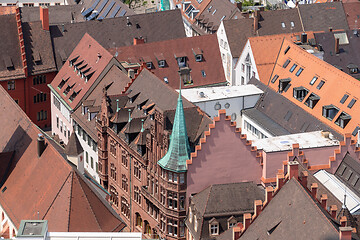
[323,201]
[256,20]
[44,18]
[247,220]
[40,144]
[343,221]
[257,207]
[333,210]
[345,233]
[139,40]
[293,169]
[304,178]
[268,194]
[337,45]
[314,188]
[237,231]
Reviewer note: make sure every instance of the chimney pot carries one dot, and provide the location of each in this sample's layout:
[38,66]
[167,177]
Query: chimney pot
[333,210]
[323,200]
[44,18]
[40,144]
[345,233]
[314,188]
[293,169]
[337,40]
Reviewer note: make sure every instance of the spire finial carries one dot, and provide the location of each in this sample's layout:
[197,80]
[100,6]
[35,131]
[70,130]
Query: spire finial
[344,204]
[117,105]
[142,125]
[129,115]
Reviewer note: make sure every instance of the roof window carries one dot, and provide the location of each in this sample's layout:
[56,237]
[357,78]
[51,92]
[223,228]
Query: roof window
[283,25]
[299,71]
[344,98]
[203,73]
[351,103]
[73,96]
[286,50]
[62,83]
[286,63]
[300,93]
[161,63]
[319,86]
[274,78]
[181,61]
[312,100]
[343,120]
[356,130]
[149,65]
[293,67]
[292,24]
[313,80]
[330,111]
[284,84]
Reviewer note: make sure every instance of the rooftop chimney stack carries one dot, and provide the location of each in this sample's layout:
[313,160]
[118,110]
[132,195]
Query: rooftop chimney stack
[293,169]
[44,18]
[303,38]
[333,210]
[323,201]
[237,230]
[131,73]
[40,144]
[256,21]
[337,40]
[139,40]
[304,178]
[314,188]
[345,233]
[247,220]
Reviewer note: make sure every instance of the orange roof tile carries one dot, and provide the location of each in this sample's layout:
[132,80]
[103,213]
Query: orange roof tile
[91,58]
[336,85]
[45,187]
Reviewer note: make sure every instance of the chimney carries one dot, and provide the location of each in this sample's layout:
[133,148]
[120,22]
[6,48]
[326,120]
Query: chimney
[343,221]
[44,18]
[247,220]
[303,38]
[304,178]
[139,40]
[330,29]
[323,201]
[333,210]
[314,188]
[257,207]
[293,169]
[337,45]
[256,20]
[131,73]
[268,194]
[237,231]
[280,180]
[345,233]
[40,144]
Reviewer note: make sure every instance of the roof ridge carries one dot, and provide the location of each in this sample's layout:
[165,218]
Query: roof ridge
[88,201]
[68,225]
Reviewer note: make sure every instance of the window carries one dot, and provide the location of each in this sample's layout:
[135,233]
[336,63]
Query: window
[293,67]
[344,98]
[113,171]
[199,57]
[137,195]
[286,63]
[181,61]
[203,73]
[137,170]
[87,157]
[189,10]
[149,65]
[182,180]
[343,120]
[214,229]
[274,78]
[162,63]
[300,93]
[283,25]
[11,85]
[286,50]
[56,103]
[114,196]
[57,121]
[284,84]
[292,24]
[243,67]
[124,160]
[330,111]
[351,103]
[41,79]
[319,86]
[65,130]
[124,183]
[42,115]
[312,100]
[313,80]
[125,210]
[92,162]
[356,130]
[299,72]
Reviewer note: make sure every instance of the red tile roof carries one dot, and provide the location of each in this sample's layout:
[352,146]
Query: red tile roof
[88,56]
[45,187]
[336,85]
[352,10]
[211,64]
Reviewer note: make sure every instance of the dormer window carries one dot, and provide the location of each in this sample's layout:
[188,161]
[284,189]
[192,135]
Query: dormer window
[330,111]
[284,84]
[161,63]
[312,100]
[300,93]
[353,68]
[84,110]
[343,120]
[181,61]
[213,227]
[149,65]
[62,83]
[199,57]
[231,222]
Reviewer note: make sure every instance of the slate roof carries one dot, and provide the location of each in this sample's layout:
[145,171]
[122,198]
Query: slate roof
[348,53]
[46,187]
[207,45]
[271,116]
[352,10]
[348,172]
[10,49]
[330,86]
[322,16]
[38,46]
[91,59]
[116,32]
[106,9]
[222,201]
[292,206]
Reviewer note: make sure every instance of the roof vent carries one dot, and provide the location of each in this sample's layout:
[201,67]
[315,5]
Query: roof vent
[40,144]
[356,32]
[128,23]
[202,94]
[166,80]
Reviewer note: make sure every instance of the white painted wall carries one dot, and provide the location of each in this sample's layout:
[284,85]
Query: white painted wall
[6,219]
[228,61]
[65,122]
[20,3]
[250,134]
[245,69]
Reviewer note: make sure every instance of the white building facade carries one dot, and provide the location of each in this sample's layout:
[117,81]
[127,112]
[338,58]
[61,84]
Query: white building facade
[245,67]
[33,3]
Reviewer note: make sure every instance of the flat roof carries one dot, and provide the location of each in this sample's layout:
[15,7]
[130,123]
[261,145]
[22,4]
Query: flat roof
[215,93]
[305,140]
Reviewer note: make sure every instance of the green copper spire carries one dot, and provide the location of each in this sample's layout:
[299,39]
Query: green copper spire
[179,149]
